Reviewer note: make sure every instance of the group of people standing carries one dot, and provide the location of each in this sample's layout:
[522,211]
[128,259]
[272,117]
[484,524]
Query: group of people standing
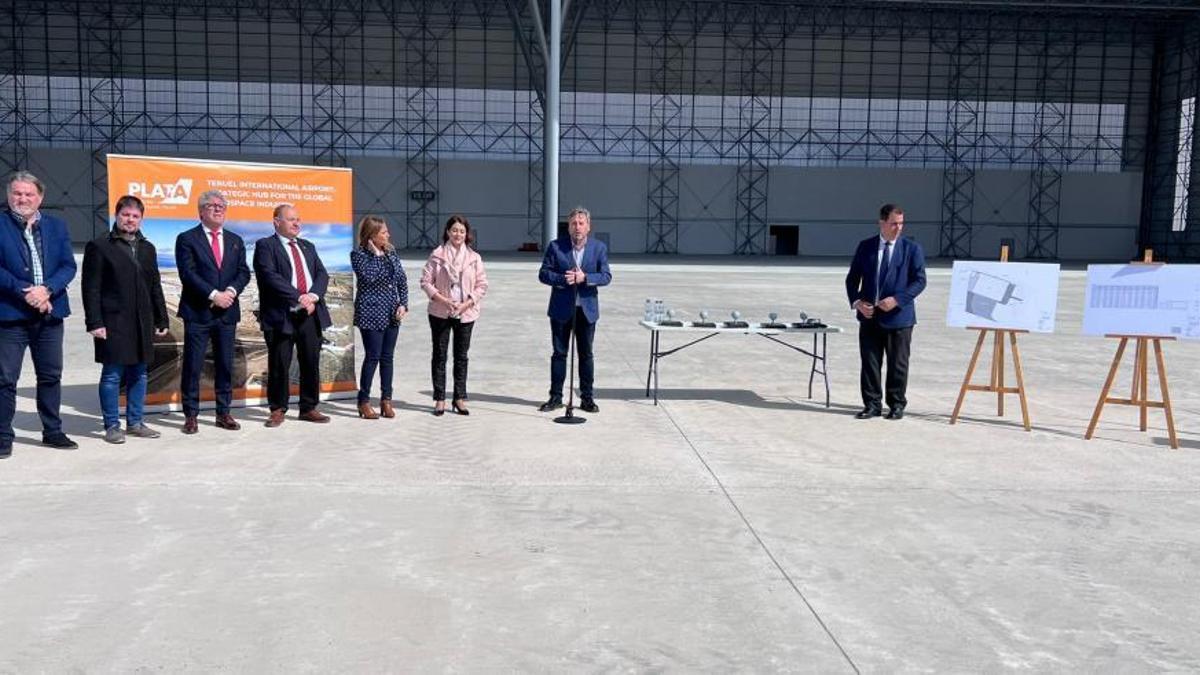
[125,310]
[455,281]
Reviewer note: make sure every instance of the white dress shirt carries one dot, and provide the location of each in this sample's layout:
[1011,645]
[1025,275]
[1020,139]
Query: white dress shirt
[287,248]
[577,254]
[221,245]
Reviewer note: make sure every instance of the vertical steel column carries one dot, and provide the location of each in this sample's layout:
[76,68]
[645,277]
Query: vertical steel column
[665,133]
[104,108]
[14,130]
[755,52]
[1055,62]
[328,44]
[550,123]
[1176,78]
[1188,237]
[422,128]
[962,129]
[535,175]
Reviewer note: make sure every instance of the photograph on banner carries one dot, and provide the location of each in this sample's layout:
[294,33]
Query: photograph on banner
[1004,295]
[1143,299]
[171,188]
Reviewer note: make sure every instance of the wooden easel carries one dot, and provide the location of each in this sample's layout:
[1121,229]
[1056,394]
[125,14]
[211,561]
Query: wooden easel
[1137,390]
[996,383]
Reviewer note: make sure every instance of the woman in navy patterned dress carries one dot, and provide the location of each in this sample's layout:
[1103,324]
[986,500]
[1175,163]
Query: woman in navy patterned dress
[379,307]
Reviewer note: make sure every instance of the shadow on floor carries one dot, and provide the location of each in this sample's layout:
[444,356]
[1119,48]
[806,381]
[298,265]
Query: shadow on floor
[1003,423]
[1184,443]
[744,397]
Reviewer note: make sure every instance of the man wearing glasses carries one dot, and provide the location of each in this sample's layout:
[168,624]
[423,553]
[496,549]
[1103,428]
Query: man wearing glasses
[36,265]
[212,269]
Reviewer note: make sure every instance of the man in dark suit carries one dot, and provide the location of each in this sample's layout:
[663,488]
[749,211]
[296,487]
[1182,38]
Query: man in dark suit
[291,290]
[886,276]
[575,267]
[36,264]
[212,269]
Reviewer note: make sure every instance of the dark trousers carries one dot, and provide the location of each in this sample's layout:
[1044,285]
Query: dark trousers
[44,338]
[873,344]
[441,329]
[378,349]
[305,340]
[560,335]
[196,336]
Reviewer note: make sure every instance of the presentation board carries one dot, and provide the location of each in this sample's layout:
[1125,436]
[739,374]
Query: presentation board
[1144,300]
[170,188]
[1005,295]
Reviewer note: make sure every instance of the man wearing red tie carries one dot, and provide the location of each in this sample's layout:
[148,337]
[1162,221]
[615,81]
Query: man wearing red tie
[291,290]
[212,270]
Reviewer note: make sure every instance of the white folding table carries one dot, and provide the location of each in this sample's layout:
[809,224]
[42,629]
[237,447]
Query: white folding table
[818,352]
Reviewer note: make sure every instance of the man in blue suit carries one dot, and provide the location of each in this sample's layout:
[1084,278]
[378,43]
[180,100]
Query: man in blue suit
[575,268]
[36,264]
[886,276]
[291,309]
[212,269]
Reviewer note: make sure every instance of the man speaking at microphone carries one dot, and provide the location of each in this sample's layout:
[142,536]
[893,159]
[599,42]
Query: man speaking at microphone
[575,267]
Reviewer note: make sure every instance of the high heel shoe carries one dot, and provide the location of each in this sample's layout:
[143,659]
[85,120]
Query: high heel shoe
[386,409]
[439,408]
[366,412]
[461,410]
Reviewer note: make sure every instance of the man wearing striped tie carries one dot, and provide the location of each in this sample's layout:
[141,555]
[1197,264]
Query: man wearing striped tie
[291,309]
[36,264]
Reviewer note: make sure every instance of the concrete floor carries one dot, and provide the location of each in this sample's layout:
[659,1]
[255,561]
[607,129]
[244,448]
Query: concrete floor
[735,527]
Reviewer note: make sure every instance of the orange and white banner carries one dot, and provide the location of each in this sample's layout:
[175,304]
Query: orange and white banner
[171,187]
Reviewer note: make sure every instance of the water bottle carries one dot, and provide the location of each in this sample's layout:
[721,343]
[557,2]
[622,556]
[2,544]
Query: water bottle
[649,314]
[658,310]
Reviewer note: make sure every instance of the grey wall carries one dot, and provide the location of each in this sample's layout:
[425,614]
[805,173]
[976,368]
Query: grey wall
[832,207]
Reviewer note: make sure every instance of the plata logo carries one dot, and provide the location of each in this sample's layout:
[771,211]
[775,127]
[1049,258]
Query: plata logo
[177,193]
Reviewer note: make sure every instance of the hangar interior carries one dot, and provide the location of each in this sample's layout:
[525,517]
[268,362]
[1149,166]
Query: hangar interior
[1064,129]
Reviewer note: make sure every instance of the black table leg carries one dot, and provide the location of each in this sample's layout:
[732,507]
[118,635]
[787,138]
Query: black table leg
[813,370]
[656,358]
[650,368]
[825,363]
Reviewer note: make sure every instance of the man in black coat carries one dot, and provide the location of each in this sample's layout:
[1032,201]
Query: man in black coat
[123,310]
[212,268]
[291,288]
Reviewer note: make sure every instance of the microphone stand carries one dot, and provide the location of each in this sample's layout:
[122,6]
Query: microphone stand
[569,417]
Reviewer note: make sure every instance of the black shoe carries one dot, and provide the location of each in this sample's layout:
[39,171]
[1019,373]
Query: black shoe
[552,404]
[896,413]
[868,412]
[5,450]
[589,405]
[438,412]
[59,441]
[460,409]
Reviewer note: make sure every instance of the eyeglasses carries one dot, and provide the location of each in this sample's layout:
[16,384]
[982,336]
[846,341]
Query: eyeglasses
[213,207]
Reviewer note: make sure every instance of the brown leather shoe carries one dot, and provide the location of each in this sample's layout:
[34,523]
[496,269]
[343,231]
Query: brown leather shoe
[386,409]
[189,425]
[366,412]
[226,421]
[314,416]
[275,419]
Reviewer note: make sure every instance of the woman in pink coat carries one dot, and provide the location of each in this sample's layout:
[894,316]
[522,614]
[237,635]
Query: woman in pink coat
[455,282]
